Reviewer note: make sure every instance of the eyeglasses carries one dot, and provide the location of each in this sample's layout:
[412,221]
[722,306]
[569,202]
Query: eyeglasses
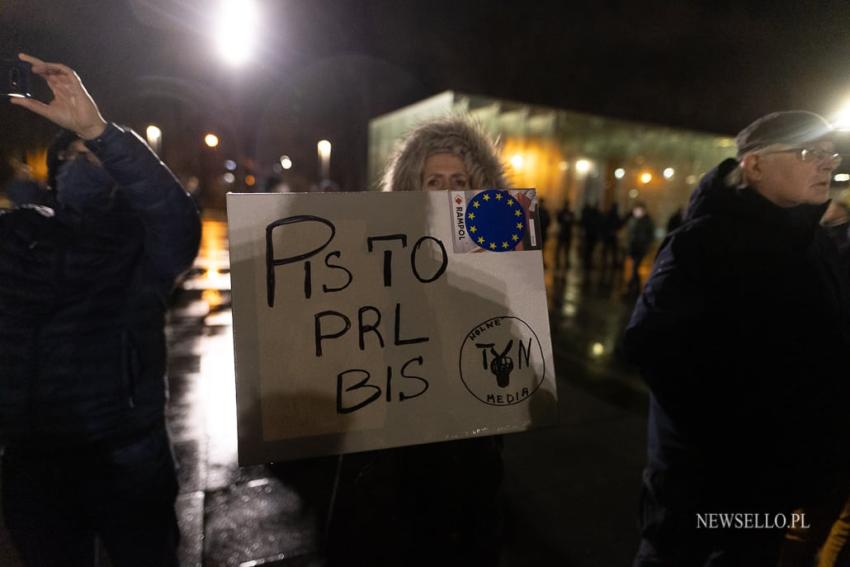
[812,155]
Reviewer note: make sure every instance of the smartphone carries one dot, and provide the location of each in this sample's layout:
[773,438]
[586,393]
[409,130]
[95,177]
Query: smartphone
[15,79]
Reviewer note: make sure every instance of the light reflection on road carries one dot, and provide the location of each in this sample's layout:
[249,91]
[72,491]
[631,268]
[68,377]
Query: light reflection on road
[217,394]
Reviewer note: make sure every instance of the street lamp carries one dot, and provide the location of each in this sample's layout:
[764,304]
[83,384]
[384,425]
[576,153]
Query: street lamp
[324,147]
[154,136]
[285,162]
[236,30]
[211,140]
[841,121]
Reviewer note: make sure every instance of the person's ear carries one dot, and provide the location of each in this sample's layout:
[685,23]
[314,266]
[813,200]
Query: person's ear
[753,167]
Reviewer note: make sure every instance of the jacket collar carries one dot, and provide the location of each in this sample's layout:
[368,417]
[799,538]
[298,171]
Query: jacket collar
[714,197]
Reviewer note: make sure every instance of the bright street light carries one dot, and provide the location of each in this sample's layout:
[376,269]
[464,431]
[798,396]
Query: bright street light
[517,161]
[841,121]
[619,173]
[236,30]
[324,147]
[645,177]
[285,162]
[154,136]
[211,140]
[582,166]
[669,173]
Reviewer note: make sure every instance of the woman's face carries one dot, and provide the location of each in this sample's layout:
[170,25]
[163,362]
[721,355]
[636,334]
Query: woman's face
[444,171]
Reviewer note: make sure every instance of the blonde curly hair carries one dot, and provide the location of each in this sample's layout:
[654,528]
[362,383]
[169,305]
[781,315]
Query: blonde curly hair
[456,135]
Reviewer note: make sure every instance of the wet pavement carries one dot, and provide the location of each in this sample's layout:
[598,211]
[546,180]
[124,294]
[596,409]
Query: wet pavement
[570,492]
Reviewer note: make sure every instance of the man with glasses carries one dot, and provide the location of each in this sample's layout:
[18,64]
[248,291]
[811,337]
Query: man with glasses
[741,333]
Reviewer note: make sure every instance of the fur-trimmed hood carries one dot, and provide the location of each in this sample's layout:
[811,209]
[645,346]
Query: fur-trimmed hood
[456,135]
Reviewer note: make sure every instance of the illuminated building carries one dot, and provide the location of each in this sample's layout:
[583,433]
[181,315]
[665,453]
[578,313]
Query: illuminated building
[566,154]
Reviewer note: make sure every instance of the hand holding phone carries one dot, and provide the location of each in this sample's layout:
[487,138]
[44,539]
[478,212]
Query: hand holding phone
[72,106]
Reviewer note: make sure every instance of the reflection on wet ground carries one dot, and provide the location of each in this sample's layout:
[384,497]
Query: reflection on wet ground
[588,312]
[230,516]
[570,491]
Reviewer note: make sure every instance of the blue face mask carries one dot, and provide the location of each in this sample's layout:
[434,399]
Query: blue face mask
[83,186]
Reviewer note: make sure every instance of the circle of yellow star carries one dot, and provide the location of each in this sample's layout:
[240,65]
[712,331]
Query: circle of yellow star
[519,225]
[492,246]
[514,237]
[498,196]
[504,244]
[517,213]
[480,240]
[510,203]
[473,229]
[476,204]
[471,216]
[486,197]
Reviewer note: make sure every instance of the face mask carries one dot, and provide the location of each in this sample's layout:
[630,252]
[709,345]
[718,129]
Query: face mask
[83,186]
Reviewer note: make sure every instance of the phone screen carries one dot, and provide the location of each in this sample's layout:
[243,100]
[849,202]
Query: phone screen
[15,79]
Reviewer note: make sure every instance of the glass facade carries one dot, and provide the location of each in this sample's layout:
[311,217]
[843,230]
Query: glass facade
[568,155]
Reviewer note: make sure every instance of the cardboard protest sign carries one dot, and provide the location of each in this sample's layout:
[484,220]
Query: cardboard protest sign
[373,320]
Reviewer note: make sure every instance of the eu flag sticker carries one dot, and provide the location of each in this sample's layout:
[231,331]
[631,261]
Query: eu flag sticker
[495,220]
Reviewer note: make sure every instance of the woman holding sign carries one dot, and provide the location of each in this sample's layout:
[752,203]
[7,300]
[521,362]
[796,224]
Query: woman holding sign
[436,503]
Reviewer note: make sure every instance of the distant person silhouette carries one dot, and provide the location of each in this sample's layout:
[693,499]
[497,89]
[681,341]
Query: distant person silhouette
[566,220]
[640,233]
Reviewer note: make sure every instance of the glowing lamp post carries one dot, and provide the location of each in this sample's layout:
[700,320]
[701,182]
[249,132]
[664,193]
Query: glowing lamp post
[841,120]
[154,137]
[236,30]
[324,148]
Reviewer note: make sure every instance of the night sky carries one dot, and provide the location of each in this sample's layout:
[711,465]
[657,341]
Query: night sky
[324,68]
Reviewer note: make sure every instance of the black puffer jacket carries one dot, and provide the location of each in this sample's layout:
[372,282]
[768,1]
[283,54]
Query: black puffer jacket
[742,334]
[82,306]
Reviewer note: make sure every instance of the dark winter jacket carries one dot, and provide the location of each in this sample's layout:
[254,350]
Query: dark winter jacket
[82,305]
[742,334]
[840,234]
